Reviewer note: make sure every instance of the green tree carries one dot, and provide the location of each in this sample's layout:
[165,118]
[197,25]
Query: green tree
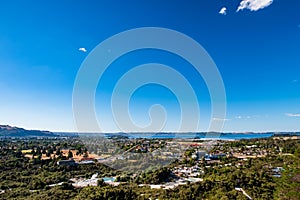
[70,154]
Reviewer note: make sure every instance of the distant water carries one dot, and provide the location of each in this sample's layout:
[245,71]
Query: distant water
[214,136]
[246,136]
[202,136]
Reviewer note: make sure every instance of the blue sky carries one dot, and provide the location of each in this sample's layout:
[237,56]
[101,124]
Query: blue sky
[255,49]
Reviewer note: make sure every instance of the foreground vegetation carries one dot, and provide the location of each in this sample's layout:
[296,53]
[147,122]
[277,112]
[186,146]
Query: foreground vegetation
[30,177]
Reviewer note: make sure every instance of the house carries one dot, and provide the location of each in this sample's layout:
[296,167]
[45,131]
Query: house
[214,156]
[87,159]
[200,154]
[70,162]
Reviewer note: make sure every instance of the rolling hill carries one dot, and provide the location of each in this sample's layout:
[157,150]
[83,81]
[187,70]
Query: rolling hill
[9,131]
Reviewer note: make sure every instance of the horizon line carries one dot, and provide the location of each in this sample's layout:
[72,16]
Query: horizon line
[114,132]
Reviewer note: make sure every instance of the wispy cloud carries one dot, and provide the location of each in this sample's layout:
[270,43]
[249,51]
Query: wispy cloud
[292,114]
[254,5]
[246,117]
[220,119]
[223,11]
[82,49]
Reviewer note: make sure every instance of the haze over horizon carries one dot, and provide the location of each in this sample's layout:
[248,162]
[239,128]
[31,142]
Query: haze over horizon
[254,45]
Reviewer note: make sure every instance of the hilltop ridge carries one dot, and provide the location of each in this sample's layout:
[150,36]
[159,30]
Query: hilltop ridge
[10,131]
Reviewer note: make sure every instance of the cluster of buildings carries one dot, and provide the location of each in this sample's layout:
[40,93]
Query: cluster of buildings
[93,181]
[173,184]
[183,173]
[72,162]
[187,172]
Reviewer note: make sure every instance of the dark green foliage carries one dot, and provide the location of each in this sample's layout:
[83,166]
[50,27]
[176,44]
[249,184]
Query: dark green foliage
[25,178]
[107,193]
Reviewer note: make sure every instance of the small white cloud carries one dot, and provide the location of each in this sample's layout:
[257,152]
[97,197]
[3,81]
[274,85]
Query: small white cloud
[244,117]
[292,114]
[223,11]
[295,81]
[82,49]
[254,5]
[220,119]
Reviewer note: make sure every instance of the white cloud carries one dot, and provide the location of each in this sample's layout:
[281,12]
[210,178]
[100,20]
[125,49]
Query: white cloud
[245,117]
[220,119]
[82,49]
[223,11]
[292,114]
[254,5]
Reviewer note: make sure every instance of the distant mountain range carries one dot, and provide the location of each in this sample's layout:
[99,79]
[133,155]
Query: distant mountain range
[9,131]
